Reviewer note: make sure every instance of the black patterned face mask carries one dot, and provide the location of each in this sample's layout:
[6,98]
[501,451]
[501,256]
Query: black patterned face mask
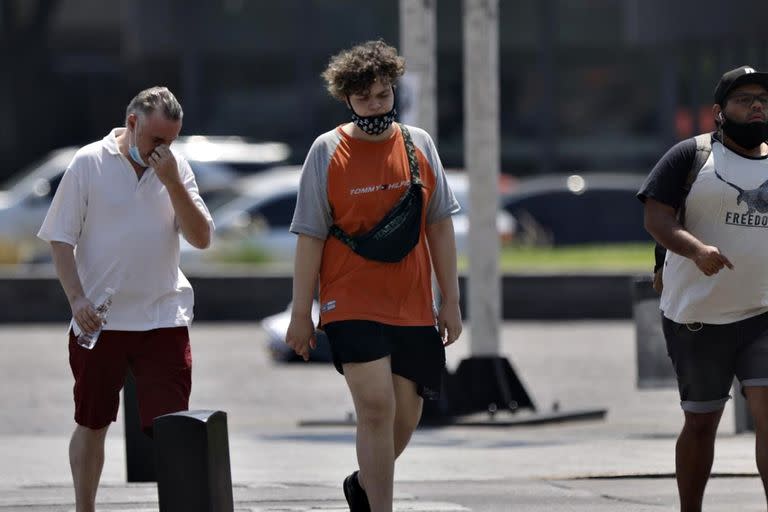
[373,125]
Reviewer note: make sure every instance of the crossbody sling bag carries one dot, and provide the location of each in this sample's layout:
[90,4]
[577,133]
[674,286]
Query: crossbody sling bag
[398,232]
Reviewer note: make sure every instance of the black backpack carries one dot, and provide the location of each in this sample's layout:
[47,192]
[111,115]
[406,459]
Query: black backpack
[703,150]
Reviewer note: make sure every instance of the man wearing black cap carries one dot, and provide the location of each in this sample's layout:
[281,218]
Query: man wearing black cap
[714,224]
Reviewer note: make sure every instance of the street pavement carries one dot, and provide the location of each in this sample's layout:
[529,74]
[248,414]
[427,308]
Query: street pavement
[624,462]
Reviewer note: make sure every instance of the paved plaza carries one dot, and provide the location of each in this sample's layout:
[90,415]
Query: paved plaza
[622,463]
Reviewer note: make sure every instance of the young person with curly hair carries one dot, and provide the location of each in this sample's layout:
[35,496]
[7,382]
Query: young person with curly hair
[373,220]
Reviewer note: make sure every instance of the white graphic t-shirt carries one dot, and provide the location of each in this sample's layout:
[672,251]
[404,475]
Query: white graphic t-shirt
[727,207]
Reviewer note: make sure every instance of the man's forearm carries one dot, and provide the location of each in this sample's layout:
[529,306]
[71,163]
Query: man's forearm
[66,270]
[679,241]
[661,222]
[442,247]
[194,226]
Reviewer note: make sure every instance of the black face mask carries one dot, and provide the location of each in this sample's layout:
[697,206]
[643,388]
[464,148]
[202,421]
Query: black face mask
[746,135]
[374,125]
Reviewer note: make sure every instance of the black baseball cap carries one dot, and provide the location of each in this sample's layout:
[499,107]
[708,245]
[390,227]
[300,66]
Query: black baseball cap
[736,77]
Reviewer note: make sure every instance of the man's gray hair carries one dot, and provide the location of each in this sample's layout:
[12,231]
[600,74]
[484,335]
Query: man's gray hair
[155,98]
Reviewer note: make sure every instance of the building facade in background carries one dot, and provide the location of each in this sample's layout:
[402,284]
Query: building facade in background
[587,85]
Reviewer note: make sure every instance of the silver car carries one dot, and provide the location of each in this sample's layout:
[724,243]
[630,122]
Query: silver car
[25,199]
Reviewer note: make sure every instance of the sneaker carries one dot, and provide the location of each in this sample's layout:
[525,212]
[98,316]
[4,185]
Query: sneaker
[356,497]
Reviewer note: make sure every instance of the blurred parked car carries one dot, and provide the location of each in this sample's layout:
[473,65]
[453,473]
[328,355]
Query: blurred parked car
[258,220]
[276,328]
[506,225]
[25,199]
[578,209]
[243,155]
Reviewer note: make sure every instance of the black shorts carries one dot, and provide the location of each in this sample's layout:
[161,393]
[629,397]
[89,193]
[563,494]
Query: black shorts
[706,358]
[417,353]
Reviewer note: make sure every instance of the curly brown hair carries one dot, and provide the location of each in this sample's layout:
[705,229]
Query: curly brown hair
[353,71]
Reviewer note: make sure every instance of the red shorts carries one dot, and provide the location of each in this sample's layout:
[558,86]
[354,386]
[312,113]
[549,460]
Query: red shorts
[161,363]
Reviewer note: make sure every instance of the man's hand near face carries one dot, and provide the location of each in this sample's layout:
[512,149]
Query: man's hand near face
[164,164]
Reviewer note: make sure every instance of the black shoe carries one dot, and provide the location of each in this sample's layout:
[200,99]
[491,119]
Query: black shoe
[356,497]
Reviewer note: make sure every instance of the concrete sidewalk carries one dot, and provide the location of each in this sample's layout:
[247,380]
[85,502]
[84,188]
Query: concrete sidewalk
[622,463]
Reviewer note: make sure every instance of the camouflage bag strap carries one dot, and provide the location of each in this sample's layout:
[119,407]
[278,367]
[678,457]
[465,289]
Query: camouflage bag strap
[410,151]
[343,236]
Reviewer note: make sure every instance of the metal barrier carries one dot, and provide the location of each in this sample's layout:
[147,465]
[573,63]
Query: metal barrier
[192,462]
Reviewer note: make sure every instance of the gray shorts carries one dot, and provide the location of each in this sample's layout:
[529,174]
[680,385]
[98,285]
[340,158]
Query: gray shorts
[706,358]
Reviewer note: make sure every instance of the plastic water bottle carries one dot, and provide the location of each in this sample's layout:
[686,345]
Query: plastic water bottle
[88,340]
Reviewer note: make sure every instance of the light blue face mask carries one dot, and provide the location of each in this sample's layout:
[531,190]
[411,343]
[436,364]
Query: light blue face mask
[133,150]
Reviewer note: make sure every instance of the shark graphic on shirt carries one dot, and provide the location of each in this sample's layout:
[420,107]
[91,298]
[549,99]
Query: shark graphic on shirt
[756,199]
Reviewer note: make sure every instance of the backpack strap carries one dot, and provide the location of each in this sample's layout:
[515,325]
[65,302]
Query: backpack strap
[703,150]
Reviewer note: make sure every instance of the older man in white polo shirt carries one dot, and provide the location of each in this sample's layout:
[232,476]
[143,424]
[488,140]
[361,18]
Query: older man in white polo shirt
[115,223]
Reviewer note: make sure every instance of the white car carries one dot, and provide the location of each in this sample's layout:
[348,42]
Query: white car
[255,225]
[25,200]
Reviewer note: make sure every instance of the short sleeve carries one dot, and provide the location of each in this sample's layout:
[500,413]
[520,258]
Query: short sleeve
[312,215]
[442,202]
[66,215]
[666,181]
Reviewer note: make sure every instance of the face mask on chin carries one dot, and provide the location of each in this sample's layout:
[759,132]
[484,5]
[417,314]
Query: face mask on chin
[746,135]
[373,125]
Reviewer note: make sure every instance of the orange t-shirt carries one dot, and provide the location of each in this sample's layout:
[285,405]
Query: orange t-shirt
[363,181]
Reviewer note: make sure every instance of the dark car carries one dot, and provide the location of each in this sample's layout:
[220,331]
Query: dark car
[578,209]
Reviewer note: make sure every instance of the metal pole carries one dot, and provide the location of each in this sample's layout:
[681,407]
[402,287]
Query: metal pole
[481,149]
[418,45]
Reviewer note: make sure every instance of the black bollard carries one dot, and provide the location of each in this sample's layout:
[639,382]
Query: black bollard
[139,449]
[192,462]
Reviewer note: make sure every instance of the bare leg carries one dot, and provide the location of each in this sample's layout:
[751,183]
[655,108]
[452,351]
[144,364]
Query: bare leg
[408,405]
[86,459]
[374,398]
[757,399]
[694,454]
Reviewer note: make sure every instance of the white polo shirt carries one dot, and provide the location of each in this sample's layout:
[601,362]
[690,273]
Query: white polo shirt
[125,235]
